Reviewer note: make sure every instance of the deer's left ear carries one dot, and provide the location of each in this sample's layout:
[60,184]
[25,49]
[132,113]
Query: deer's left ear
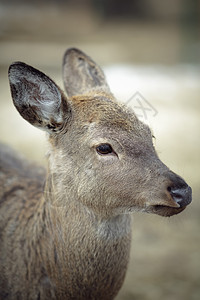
[37,98]
[81,74]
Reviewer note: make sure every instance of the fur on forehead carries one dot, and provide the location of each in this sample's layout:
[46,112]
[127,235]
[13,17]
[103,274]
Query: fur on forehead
[103,108]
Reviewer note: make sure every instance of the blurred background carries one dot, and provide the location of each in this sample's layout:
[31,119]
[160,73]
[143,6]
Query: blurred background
[150,52]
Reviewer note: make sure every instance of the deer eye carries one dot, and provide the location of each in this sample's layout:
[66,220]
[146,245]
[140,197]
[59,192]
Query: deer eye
[104,149]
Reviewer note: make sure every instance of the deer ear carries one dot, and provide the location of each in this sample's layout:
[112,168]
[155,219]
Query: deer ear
[81,74]
[37,97]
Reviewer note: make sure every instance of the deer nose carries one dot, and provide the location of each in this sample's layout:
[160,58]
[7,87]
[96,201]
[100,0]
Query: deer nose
[181,195]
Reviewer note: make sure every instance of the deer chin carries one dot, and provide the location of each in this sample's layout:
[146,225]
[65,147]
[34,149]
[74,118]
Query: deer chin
[161,210]
[164,210]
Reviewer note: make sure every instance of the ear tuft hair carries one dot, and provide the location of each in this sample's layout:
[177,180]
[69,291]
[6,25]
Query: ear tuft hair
[37,98]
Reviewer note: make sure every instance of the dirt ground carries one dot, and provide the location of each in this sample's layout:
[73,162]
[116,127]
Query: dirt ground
[137,57]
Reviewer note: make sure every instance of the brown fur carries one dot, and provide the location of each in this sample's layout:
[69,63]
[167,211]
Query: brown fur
[68,237]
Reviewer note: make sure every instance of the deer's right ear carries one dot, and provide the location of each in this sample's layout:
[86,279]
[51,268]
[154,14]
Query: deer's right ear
[37,98]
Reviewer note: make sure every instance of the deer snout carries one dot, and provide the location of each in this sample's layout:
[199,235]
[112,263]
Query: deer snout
[181,195]
[179,190]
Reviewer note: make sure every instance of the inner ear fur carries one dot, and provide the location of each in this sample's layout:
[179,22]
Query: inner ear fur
[37,98]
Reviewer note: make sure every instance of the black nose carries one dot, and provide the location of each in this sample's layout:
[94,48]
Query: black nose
[181,195]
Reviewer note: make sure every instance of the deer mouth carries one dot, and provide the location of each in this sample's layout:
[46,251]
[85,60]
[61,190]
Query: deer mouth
[179,196]
[165,211]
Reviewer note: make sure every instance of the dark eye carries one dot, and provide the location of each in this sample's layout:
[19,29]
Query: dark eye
[104,149]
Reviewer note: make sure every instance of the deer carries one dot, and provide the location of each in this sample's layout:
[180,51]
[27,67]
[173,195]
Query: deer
[65,231]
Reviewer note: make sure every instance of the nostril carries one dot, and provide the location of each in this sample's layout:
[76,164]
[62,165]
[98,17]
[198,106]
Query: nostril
[182,196]
[169,189]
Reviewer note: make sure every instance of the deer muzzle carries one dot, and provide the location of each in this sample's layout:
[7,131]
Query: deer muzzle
[179,196]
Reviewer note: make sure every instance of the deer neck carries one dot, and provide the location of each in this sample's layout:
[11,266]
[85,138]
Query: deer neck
[80,244]
[64,207]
